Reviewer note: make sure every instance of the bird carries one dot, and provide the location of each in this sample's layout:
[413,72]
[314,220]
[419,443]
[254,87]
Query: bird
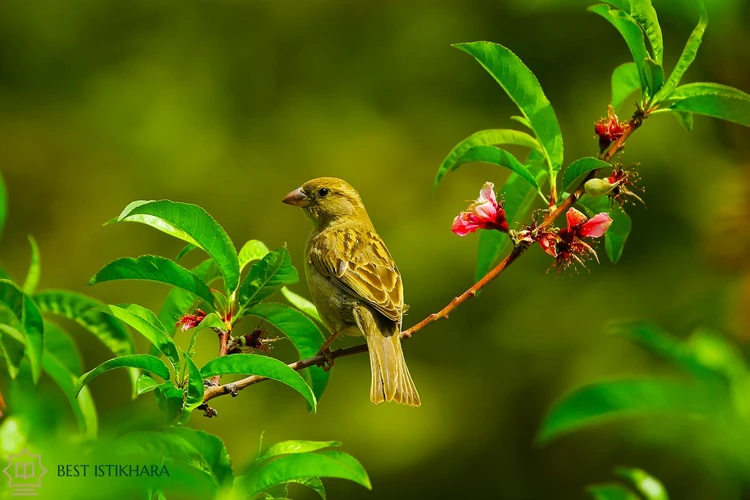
[354,283]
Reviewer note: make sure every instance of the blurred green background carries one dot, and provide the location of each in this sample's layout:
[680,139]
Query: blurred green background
[231,104]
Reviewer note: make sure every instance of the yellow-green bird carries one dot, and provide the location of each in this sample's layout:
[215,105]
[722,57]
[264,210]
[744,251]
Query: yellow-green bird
[354,282]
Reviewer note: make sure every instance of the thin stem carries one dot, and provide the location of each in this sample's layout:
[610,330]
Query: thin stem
[518,250]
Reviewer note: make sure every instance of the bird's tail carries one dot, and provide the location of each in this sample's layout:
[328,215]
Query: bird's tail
[391,380]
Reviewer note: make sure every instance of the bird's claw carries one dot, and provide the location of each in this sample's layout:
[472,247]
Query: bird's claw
[326,364]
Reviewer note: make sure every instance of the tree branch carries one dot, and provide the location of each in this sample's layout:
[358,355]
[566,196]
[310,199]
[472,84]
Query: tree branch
[617,146]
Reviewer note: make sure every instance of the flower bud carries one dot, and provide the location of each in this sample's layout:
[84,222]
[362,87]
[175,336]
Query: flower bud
[598,187]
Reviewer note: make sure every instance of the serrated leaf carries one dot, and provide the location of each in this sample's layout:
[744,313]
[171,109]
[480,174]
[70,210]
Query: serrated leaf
[299,466]
[145,383]
[154,268]
[501,158]
[518,198]
[597,403]
[687,57]
[211,448]
[645,15]
[194,396]
[580,168]
[303,333]
[302,304]
[295,446]
[251,251]
[35,268]
[647,485]
[253,364]
[30,322]
[192,224]
[625,81]
[146,362]
[611,491]
[713,99]
[13,347]
[86,312]
[496,137]
[266,277]
[654,76]
[145,322]
[185,250]
[60,355]
[314,483]
[171,400]
[631,32]
[684,118]
[525,91]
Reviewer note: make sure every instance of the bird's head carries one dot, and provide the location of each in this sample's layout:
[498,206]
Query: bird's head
[326,199]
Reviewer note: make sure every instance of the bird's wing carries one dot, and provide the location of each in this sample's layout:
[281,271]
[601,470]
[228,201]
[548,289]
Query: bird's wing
[359,263]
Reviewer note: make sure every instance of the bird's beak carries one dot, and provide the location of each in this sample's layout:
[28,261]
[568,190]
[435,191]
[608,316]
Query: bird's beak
[296,198]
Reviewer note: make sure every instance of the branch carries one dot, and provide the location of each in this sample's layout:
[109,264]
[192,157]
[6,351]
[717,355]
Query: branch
[617,146]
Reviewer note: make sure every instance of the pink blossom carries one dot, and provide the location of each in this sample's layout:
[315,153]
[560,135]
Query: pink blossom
[484,213]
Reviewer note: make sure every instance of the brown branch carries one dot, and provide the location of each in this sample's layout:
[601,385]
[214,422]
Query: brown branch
[617,146]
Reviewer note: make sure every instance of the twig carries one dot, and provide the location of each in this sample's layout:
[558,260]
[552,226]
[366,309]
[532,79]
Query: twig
[617,146]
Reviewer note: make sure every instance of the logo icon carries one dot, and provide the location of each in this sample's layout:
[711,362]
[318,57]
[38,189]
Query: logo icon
[25,473]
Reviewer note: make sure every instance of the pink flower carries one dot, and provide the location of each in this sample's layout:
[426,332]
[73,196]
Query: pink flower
[189,321]
[484,213]
[567,245]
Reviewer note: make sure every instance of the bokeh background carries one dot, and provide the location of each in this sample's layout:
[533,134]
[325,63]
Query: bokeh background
[231,104]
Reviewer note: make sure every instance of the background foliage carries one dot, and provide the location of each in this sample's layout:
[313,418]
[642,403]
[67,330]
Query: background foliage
[231,105]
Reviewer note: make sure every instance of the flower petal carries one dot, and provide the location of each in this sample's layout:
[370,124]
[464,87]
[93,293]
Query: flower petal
[596,226]
[465,223]
[575,218]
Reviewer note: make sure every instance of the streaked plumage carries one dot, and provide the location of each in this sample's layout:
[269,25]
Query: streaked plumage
[354,282]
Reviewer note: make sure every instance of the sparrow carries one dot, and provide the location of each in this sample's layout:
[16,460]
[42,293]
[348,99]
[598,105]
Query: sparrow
[354,283]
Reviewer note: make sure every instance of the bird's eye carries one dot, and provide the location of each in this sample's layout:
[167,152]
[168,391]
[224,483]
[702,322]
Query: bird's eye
[323,192]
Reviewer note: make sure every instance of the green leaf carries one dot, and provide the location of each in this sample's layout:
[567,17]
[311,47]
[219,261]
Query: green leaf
[631,32]
[86,312]
[300,466]
[593,404]
[146,362]
[145,322]
[56,362]
[618,232]
[35,268]
[518,196]
[686,59]
[171,400]
[713,99]
[654,76]
[185,250]
[524,89]
[303,333]
[145,384]
[266,277]
[13,346]
[684,118]
[194,397]
[625,81]
[253,364]
[179,301]
[154,268]
[314,483]
[3,203]
[295,446]
[647,485]
[211,449]
[189,223]
[251,251]
[645,15]
[579,168]
[611,491]
[496,137]
[31,323]
[500,157]
[302,304]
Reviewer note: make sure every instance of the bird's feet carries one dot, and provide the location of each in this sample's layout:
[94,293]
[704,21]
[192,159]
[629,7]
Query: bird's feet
[326,364]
